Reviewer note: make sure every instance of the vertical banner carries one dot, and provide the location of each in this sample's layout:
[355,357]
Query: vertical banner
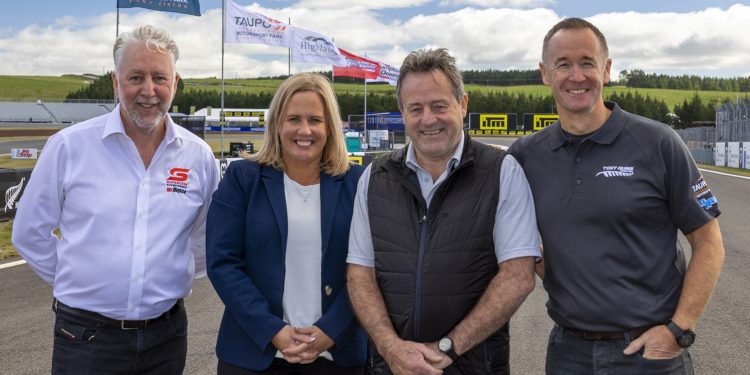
[313,47]
[244,26]
[356,67]
[191,7]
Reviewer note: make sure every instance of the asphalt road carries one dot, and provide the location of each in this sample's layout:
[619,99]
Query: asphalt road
[721,348]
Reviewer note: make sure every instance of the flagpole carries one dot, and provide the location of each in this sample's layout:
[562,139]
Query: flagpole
[332,77]
[117,28]
[223,25]
[367,140]
[289,64]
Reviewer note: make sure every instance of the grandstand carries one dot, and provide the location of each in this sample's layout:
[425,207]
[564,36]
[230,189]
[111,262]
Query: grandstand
[52,112]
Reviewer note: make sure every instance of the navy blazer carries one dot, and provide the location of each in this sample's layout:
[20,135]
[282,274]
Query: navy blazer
[246,233]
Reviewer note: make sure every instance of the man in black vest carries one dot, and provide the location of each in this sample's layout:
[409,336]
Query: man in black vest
[443,240]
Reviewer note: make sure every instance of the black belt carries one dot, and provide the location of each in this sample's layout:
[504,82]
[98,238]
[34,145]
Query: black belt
[593,335]
[121,324]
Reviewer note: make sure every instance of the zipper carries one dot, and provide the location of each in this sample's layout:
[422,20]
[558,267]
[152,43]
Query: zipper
[420,262]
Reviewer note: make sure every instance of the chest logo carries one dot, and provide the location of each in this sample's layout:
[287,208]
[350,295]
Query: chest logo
[177,182]
[616,171]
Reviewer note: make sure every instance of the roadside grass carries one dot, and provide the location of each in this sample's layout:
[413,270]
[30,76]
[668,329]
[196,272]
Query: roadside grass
[7,162]
[737,171]
[6,248]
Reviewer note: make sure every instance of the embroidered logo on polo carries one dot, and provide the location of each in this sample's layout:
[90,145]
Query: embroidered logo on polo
[703,194]
[177,182]
[616,171]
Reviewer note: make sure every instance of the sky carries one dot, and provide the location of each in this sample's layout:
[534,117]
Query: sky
[705,38]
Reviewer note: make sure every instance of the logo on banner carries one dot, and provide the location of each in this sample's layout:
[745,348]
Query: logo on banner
[616,171]
[177,182]
[12,194]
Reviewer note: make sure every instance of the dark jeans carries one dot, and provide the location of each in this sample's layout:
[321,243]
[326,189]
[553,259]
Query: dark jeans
[321,366]
[87,345]
[571,354]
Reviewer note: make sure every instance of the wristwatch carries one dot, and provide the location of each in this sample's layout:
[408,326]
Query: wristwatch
[446,347]
[684,338]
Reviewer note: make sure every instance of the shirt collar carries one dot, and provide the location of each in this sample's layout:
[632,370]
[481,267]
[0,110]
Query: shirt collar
[604,135]
[411,158]
[114,125]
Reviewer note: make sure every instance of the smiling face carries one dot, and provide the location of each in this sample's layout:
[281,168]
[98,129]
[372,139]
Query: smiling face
[145,83]
[304,130]
[577,70]
[432,115]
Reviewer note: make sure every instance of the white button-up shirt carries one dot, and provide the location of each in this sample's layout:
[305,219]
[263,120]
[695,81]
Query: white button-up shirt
[132,238]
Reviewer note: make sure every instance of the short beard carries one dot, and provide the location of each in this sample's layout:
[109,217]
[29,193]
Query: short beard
[142,124]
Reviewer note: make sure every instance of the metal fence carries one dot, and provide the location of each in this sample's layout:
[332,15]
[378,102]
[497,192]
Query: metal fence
[700,141]
[733,121]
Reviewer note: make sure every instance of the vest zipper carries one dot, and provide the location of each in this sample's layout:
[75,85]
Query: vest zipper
[420,262]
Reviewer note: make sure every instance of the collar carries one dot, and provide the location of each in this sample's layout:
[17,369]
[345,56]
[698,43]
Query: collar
[604,135]
[411,158]
[114,125]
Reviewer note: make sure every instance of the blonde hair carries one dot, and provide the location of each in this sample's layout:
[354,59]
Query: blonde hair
[334,160]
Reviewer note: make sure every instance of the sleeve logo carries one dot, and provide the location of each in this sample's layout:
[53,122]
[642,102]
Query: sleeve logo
[177,182]
[703,194]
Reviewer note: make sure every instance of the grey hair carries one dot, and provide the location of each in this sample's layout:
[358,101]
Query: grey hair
[427,60]
[157,40]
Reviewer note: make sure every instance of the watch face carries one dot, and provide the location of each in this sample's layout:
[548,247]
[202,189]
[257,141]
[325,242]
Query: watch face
[686,339]
[445,344]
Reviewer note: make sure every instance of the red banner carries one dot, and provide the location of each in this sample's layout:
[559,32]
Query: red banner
[357,67]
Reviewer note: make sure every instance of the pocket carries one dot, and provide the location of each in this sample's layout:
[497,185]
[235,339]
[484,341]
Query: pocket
[179,323]
[74,331]
[681,364]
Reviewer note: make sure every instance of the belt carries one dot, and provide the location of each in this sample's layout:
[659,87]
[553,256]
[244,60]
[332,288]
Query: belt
[121,324]
[592,335]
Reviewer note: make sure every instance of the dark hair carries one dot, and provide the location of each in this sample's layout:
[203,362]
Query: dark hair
[574,24]
[426,60]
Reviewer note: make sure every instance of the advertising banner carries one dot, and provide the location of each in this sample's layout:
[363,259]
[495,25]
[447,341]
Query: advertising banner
[313,47]
[721,154]
[23,153]
[355,66]
[244,26]
[387,73]
[733,154]
[191,7]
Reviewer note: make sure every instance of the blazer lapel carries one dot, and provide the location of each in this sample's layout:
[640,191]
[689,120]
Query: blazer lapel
[273,181]
[329,198]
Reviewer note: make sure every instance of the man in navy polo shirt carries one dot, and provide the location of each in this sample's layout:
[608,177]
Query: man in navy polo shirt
[611,189]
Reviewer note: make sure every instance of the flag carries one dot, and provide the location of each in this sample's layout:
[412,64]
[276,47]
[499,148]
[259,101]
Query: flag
[387,73]
[313,47]
[244,26]
[191,7]
[355,66]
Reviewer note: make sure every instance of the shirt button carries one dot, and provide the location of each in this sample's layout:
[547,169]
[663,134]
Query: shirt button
[578,181]
[328,290]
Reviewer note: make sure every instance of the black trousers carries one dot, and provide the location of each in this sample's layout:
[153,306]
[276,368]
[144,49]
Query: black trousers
[89,344]
[321,366]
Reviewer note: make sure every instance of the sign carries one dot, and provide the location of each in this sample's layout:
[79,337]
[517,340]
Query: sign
[23,153]
[191,7]
[244,26]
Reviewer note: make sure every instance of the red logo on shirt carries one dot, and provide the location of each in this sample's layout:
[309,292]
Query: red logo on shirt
[177,182]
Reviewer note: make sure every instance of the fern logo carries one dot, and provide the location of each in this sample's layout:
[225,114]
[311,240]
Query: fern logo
[12,194]
[616,171]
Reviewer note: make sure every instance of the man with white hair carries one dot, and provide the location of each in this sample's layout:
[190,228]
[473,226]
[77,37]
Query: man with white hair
[128,192]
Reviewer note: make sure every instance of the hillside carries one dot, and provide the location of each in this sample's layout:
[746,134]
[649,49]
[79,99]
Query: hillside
[46,87]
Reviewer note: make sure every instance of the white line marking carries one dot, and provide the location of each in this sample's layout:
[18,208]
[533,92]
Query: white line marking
[12,264]
[724,174]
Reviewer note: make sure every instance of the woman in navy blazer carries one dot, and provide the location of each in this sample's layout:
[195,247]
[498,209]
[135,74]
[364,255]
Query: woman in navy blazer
[277,236]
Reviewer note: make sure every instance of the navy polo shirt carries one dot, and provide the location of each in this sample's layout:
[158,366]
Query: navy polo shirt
[608,209]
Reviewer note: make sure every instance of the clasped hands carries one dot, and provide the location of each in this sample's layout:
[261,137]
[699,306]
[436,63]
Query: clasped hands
[301,345]
[409,357]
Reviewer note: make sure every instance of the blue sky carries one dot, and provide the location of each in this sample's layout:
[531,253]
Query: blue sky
[52,37]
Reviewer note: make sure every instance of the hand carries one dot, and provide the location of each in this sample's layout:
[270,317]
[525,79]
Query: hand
[659,343]
[315,342]
[409,357]
[444,362]
[291,344]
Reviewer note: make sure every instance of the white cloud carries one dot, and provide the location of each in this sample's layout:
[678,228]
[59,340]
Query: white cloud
[706,42]
[369,4]
[518,4]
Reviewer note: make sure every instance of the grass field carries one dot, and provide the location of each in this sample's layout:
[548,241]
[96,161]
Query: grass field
[46,87]
[39,87]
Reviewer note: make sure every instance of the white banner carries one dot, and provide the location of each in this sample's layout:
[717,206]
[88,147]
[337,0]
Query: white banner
[733,154]
[387,73]
[313,47]
[720,151]
[23,153]
[244,26]
[745,158]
